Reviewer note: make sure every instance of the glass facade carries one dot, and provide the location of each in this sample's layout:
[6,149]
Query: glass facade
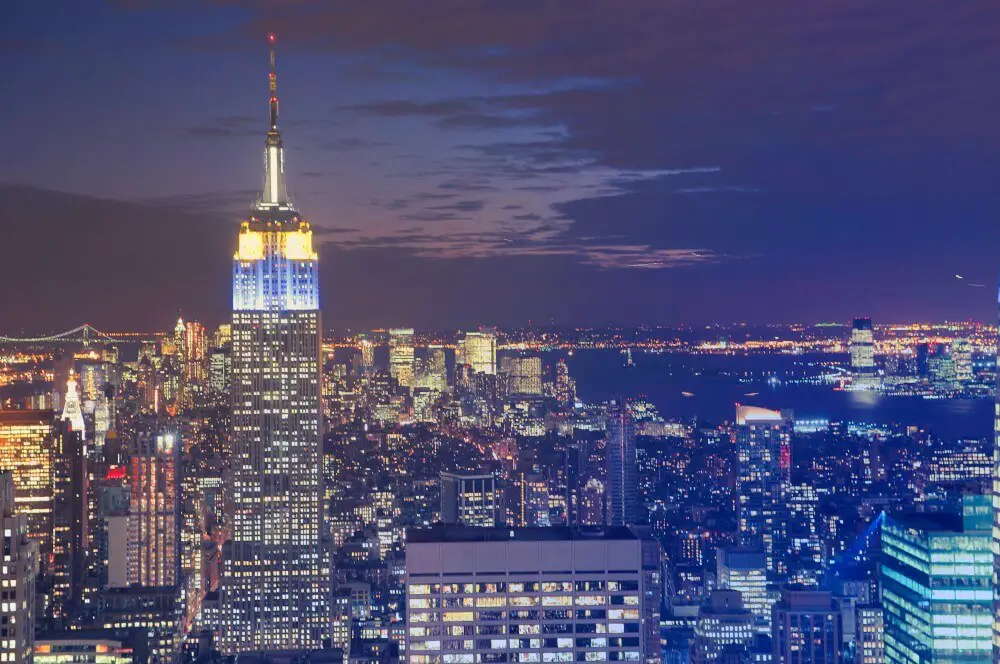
[936,589]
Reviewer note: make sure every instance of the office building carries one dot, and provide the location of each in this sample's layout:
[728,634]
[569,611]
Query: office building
[432,371]
[763,460]
[470,499]
[961,355]
[401,356]
[275,587]
[82,649]
[623,482]
[154,518]
[745,570]
[26,447]
[70,527]
[17,577]
[862,354]
[724,626]
[478,350]
[936,585]
[565,386]
[524,375]
[806,628]
[869,639]
[534,594]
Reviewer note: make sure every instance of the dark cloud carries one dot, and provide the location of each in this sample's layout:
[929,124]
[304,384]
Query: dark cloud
[462,206]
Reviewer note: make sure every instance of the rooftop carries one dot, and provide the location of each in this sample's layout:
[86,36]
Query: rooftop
[457,533]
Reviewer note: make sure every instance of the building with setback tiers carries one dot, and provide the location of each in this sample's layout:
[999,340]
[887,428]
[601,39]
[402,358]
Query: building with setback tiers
[275,583]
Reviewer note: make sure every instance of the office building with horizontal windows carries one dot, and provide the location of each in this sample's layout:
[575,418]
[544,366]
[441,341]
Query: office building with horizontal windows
[527,595]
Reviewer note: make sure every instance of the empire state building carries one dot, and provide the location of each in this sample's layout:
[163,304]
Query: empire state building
[274,591]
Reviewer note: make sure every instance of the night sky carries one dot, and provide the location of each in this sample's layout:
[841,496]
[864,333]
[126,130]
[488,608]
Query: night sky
[502,161]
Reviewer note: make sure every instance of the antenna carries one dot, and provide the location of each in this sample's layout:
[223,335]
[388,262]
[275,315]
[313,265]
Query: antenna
[273,85]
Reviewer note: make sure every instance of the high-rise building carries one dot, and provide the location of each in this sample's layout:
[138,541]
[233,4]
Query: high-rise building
[995,493]
[275,588]
[26,447]
[17,576]
[763,453]
[961,355]
[724,625]
[479,351]
[70,527]
[862,354]
[623,482]
[401,357]
[869,639]
[534,594]
[565,388]
[432,371]
[72,409]
[806,628]
[524,375]
[745,570]
[196,345]
[470,499]
[936,585]
[154,510]
[593,510]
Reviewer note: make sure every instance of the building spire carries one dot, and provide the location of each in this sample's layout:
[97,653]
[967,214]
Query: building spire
[273,85]
[275,194]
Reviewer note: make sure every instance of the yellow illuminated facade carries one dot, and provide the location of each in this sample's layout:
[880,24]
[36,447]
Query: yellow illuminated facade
[26,451]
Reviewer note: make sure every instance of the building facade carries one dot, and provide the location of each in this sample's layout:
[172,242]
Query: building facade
[26,448]
[275,589]
[533,594]
[470,499]
[763,460]
[17,577]
[623,481]
[936,586]
[154,510]
[806,628]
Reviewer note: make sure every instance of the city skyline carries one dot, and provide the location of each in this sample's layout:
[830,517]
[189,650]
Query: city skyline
[414,148]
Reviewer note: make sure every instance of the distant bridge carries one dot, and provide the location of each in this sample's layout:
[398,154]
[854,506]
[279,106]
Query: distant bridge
[84,334]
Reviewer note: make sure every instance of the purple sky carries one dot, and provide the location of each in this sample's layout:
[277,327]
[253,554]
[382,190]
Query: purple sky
[499,161]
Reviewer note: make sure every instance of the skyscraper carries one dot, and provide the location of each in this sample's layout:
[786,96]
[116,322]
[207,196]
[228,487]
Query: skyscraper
[470,499]
[154,519]
[274,590]
[623,481]
[806,628]
[17,575]
[26,447]
[724,623]
[479,351]
[401,359]
[961,354]
[525,375]
[936,595]
[763,453]
[862,354]
[745,570]
[995,493]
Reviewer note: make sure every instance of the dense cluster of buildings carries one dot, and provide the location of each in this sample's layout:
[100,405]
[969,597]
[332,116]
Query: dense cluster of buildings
[249,494]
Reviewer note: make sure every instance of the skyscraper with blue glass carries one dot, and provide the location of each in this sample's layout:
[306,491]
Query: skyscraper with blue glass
[936,590]
[274,587]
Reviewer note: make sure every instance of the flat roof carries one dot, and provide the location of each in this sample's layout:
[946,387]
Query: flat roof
[441,533]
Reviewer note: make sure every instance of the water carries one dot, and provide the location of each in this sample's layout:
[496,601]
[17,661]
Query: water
[715,390]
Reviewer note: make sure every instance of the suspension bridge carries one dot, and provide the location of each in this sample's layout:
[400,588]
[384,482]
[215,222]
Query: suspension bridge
[85,334]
